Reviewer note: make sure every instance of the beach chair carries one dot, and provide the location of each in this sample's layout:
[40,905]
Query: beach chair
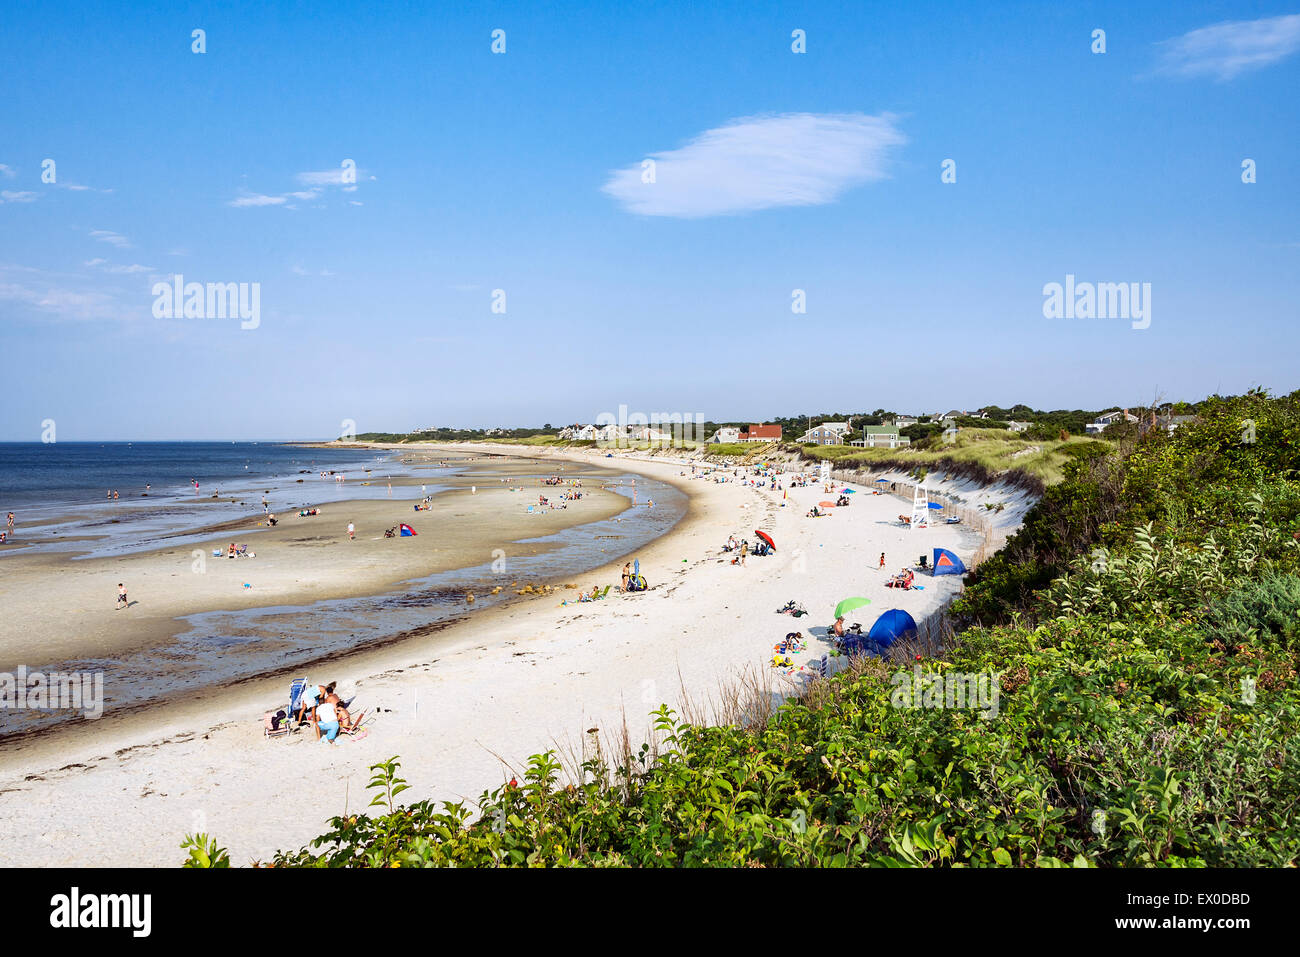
[603,592]
[277,729]
[295,694]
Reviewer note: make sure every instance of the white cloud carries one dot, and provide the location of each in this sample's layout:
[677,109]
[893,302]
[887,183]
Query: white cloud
[1227,49]
[8,172]
[18,196]
[118,270]
[332,177]
[46,293]
[257,199]
[792,159]
[110,237]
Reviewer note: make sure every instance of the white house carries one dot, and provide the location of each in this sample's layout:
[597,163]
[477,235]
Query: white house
[903,421]
[728,433]
[648,433]
[1015,426]
[1110,418]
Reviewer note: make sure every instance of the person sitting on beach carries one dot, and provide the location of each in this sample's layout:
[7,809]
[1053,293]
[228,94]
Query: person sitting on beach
[837,629]
[230,552]
[345,719]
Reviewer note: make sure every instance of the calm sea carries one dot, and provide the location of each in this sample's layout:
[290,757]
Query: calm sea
[35,475]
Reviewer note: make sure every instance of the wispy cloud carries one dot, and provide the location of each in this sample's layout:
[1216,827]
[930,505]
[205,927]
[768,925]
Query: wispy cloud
[316,182]
[54,295]
[110,237]
[8,172]
[1226,49]
[257,199]
[18,196]
[116,269]
[792,159]
[335,177]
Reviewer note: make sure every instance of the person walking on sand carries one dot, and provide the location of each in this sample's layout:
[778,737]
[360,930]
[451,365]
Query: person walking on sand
[352,531]
[882,559]
[121,597]
[10,522]
[744,550]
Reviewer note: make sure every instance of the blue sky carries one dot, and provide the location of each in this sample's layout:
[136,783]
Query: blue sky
[520,171]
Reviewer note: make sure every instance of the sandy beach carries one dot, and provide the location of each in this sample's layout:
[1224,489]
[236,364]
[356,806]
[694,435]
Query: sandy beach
[464,704]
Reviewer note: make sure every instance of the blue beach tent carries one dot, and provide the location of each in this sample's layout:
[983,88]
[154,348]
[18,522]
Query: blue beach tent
[891,626]
[946,563]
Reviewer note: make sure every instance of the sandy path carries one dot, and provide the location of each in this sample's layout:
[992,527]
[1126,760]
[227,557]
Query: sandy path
[510,681]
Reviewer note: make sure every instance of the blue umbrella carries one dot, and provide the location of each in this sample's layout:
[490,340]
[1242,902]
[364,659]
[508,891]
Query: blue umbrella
[636,567]
[935,505]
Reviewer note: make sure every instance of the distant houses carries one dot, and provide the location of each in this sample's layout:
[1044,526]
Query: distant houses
[1101,423]
[728,433]
[760,433]
[828,433]
[1166,422]
[1015,426]
[881,437]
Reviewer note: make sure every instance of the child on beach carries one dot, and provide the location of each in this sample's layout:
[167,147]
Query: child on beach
[352,531]
[882,559]
[121,596]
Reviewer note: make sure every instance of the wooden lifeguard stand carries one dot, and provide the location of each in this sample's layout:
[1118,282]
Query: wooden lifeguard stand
[920,508]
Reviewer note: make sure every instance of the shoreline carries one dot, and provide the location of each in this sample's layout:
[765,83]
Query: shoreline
[510,681]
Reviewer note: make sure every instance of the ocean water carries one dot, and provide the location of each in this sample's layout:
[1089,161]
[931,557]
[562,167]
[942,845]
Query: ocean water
[35,476]
[59,492]
[223,647]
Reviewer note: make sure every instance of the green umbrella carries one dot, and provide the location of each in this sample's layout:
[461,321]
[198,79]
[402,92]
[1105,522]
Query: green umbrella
[848,604]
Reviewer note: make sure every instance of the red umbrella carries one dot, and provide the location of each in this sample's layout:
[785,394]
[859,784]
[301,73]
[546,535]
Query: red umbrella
[766,537]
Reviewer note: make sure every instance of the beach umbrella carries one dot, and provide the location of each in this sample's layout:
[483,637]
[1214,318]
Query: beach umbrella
[848,604]
[636,567]
[765,537]
[935,505]
[878,481]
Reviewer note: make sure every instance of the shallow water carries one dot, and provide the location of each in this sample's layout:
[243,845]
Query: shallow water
[221,647]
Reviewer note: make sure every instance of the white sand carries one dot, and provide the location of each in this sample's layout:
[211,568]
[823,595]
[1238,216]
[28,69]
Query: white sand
[509,681]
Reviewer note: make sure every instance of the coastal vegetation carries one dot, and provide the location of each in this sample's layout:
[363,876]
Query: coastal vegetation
[1142,628]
